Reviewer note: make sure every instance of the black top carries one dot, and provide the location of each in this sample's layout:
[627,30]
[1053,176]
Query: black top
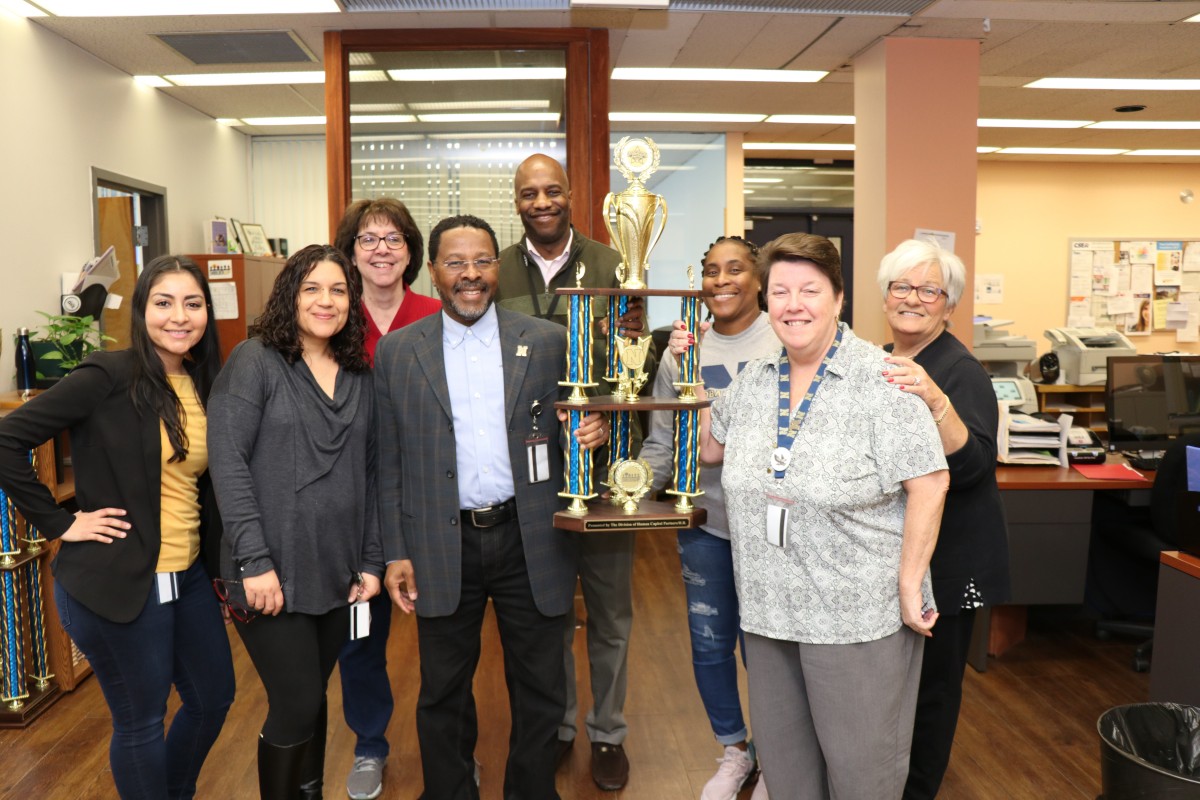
[972,546]
[117,455]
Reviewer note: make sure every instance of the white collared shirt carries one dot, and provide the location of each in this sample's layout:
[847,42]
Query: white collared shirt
[553,266]
[475,378]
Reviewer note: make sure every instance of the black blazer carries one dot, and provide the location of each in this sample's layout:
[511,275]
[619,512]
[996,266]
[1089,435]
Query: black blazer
[117,456]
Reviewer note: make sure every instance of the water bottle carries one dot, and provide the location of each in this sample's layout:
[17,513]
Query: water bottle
[26,364]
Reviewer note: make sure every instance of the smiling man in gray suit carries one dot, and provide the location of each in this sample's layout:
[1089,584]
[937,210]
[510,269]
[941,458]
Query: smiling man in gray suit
[470,467]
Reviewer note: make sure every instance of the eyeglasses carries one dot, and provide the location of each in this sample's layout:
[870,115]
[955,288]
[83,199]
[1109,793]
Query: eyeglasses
[369,241]
[926,294]
[235,608]
[481,264]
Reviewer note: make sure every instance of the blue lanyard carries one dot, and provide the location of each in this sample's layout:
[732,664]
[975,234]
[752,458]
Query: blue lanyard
[789,426]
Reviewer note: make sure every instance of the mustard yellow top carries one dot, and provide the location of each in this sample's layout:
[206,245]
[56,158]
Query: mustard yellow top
[179,521]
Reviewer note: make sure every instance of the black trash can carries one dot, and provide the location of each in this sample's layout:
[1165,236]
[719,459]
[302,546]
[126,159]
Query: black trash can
[1150,751]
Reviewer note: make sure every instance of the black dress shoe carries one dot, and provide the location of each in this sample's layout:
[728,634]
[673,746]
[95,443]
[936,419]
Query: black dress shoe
[610,767]
[561,750]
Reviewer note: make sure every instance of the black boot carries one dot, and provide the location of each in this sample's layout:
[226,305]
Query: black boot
[279,769]
[312,769]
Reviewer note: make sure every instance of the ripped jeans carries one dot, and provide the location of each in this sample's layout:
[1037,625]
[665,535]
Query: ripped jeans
[715,625]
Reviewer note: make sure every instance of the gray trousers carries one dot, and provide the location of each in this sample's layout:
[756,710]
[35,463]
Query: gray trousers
[606,575]
[834,722]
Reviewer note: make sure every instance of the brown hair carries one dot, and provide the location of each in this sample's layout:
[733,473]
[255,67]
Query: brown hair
[794,247]
[383,208]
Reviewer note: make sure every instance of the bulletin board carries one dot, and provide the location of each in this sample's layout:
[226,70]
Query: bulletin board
[1137,286]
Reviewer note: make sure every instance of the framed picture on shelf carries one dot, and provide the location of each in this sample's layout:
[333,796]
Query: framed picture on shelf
[256,239]
[238,234]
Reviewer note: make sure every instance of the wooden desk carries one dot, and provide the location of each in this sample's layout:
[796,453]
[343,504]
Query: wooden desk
[1049,515]
[1175,669]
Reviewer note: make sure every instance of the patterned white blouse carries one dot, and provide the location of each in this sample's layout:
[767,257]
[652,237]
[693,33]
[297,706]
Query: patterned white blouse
[837,579]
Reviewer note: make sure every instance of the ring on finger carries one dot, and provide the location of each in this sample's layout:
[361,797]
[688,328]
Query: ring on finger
[916,380]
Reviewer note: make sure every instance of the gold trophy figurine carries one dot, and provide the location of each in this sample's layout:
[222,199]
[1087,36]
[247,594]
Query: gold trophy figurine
[629,214]
[632,353]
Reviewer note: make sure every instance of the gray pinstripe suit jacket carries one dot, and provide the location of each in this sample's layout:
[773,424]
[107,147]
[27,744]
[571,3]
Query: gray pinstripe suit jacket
[418,488]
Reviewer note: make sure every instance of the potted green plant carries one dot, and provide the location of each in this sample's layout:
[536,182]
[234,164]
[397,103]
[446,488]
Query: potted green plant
[62,343]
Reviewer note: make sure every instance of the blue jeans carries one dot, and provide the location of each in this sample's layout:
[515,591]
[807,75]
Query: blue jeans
[714,621]
[182,643]
[366,691]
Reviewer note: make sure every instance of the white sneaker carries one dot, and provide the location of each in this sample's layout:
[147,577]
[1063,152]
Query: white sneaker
[365,781]
[736,768]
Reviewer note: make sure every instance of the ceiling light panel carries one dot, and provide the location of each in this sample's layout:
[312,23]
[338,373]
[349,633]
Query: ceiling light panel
[21,8]
[478,105]
[650,116]
[1120,84]
[246,78]
[375,119]
[183,8]
[480,74]
[1061,151]
[708,75]
[1033,123]
[796,146]
[156,81]
[263,122]
[534,116]
[811,119]
[1147,125]
[1162,153]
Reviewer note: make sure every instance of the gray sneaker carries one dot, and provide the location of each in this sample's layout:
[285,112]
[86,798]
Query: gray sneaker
[365,781]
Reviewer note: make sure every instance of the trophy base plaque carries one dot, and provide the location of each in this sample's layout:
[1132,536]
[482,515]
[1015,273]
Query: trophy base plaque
[21,713]
[603,516]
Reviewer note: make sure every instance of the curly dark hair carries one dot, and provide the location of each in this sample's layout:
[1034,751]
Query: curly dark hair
[277,328]
[149,387]
[751,250]
[387,209]
[750,246]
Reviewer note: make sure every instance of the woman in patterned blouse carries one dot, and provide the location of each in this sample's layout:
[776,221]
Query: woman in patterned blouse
[834,483]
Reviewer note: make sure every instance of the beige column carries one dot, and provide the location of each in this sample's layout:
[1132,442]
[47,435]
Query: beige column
[735,174]
[916,102]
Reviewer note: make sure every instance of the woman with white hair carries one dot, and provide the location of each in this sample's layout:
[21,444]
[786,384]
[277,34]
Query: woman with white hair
[921,285]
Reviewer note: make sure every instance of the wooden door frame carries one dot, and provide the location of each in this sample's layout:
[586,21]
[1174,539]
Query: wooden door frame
[154,213]
[586,103]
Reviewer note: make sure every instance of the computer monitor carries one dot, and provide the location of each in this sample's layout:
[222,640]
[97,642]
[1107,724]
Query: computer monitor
[1150,400]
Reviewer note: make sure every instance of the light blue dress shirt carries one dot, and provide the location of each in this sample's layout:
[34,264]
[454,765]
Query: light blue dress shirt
[475,377]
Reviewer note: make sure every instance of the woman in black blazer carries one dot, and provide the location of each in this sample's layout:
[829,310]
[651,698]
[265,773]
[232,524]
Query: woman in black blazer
[129,585]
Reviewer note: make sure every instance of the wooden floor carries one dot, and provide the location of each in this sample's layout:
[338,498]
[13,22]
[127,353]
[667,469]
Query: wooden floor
[1027,728]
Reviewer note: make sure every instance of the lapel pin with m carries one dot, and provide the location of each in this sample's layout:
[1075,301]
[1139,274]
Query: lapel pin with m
[522,351]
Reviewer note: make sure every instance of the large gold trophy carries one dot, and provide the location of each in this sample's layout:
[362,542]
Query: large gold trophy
[629,215]
[635,219]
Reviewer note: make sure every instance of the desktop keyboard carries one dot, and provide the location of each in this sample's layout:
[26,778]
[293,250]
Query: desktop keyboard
[1144,459]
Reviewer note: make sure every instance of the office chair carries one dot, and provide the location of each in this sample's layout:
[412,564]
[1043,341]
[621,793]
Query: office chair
[1123,559]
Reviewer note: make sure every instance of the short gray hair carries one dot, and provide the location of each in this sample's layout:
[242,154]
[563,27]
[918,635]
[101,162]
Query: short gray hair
[914,253]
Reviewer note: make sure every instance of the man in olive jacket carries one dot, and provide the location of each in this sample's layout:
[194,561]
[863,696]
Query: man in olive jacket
[545,260]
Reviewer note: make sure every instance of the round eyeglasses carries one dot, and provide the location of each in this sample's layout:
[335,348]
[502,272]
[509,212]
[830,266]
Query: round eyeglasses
[926,294]
[369,241]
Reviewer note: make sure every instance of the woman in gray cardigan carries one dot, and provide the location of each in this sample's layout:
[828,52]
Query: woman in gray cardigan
[292,459]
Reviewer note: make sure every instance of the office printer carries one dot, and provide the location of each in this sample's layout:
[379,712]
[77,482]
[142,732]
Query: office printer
[1002,354]
[1083,353]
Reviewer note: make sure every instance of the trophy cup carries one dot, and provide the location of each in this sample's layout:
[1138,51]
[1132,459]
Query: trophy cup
[635,219]
[629,214]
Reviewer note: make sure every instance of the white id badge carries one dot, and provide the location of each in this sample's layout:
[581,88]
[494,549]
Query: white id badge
[167,584]
[537,454]
[360,620]
[778,512]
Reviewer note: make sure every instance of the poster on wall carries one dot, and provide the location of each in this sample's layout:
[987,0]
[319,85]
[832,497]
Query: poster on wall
[1136,286]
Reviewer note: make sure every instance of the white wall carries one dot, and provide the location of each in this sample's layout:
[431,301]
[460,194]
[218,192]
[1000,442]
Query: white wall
[695,198]
[66,112]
